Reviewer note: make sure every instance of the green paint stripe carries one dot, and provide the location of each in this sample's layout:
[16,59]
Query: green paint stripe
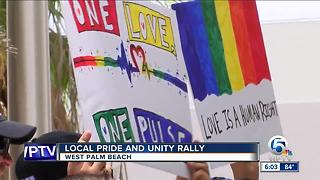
[158,74]
[216,46]
[110,62]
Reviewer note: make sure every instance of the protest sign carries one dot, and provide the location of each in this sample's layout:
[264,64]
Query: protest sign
[228,70]
[130,73]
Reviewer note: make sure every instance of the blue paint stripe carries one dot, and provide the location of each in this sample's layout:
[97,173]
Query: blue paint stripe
[193,65]
[201,44]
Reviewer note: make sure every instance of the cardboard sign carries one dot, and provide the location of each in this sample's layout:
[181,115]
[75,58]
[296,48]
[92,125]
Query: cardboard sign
[130,72]
[228,71]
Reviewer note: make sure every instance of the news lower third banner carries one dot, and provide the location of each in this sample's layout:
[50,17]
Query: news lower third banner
[223,152]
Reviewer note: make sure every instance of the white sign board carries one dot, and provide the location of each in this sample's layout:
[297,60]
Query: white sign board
[228,70]
[130,73]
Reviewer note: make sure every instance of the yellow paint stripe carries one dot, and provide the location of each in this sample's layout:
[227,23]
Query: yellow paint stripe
[229,44]
[99,61]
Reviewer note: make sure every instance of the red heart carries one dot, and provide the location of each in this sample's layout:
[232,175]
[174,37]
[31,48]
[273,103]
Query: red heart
[137,50]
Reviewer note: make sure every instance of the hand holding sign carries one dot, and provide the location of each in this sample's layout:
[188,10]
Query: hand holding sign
[87,167]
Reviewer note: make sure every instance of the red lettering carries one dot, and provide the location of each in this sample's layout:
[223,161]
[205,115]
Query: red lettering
[90,15]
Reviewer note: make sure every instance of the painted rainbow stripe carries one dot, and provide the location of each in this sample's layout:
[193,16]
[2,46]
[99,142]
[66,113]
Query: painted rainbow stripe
[222,45]
[123,63]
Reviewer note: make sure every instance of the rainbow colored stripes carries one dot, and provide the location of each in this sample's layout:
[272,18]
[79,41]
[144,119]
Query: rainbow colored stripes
[222,45]
[94,61]
[287,152]
[125,65]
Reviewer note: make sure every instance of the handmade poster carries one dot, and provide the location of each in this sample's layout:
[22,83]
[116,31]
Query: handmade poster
[130,72]
[228,70]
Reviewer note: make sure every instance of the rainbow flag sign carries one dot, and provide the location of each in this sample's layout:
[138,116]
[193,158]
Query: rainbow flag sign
[228,70]
[130,73]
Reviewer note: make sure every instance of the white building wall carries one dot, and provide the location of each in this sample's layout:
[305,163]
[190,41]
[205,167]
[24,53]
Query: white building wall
[294,60]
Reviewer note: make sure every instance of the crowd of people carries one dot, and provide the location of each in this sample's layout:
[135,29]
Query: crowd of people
[17,133]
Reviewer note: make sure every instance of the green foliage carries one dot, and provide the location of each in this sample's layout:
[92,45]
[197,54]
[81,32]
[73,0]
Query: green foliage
[64,91]
[3,5]
[3,56]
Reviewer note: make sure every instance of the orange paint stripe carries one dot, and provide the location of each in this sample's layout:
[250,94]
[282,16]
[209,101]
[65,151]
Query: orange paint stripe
[242,40]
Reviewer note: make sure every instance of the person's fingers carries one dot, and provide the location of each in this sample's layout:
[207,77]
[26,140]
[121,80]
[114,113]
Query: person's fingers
[195,166]
[200,174]
[86,167]
[85,137]
[181,178]
[7,160]
[76,167]
[2,169]
[97,167]
[245,170]
[108,168]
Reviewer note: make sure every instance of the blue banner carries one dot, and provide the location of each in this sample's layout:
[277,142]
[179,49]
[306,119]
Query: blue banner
[163,148]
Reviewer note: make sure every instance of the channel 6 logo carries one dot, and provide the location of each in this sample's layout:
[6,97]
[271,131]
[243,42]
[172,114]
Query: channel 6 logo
[277,144]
